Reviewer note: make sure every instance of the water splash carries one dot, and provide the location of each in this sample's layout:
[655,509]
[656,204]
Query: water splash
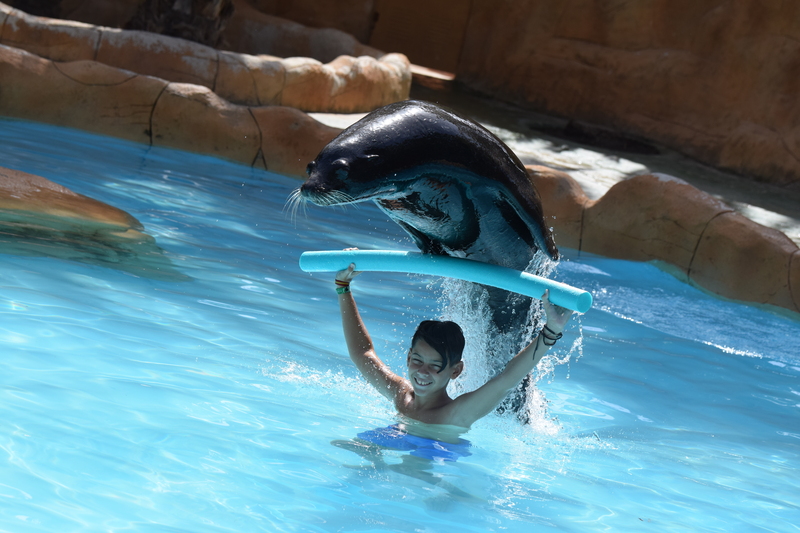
[488,350]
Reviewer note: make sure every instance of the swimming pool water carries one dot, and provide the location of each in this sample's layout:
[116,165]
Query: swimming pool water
[137,404]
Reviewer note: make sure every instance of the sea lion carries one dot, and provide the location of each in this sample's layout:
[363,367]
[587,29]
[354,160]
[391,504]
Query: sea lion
[451,184]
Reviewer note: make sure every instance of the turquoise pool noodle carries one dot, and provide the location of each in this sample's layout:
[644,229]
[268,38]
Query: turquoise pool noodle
[451,267]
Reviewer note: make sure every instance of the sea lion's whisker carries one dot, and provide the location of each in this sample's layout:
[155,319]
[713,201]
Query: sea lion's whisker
[290,199]
[340,199]
[297,199]
[302,203]
[293,203]
[326,198]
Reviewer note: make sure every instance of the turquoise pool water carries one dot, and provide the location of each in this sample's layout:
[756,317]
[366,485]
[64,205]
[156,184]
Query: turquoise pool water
[136,404]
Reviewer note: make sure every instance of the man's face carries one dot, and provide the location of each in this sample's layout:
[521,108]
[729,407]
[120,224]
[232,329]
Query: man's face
[426,369]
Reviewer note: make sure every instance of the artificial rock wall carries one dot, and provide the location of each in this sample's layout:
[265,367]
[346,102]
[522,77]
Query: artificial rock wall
[716,80]
[655,217]
[344,85]
[95,97]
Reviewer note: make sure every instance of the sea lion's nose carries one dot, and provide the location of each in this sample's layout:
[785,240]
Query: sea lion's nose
[313,186]
[310,167]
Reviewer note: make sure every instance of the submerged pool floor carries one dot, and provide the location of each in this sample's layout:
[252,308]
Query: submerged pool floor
[138,403]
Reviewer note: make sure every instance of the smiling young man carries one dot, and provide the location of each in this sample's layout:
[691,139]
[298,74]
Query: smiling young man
[434,359]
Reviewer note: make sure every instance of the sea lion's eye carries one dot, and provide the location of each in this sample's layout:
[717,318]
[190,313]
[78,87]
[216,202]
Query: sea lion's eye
[372,158]
[341,168]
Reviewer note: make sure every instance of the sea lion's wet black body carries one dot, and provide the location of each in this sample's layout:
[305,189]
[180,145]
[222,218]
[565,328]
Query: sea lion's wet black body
[450,183]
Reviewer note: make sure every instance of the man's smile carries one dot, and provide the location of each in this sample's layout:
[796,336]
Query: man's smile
[421,382]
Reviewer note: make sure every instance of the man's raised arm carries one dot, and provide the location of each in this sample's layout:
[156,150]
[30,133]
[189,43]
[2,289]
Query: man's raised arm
[359,343]
[480,402]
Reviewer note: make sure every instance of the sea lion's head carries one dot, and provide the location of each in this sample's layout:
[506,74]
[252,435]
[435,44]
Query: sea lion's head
[354,166]
[367,160]
[343,174]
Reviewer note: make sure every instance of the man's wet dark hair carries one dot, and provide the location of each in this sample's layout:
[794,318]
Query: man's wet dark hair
[444,337]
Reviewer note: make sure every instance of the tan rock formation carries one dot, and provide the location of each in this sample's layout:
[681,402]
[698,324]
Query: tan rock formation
[743,260]
[279,139]
[320,30]
[155,55]
[59,40]
[80,94]
[27,199]
[41,218]
[101,99]
[193,118]
[563,202]
[649,217]
[662,218]
[346,85]
[290,139]
[716,80]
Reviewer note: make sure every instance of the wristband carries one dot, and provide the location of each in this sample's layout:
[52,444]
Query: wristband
[549,335]
[342,286]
